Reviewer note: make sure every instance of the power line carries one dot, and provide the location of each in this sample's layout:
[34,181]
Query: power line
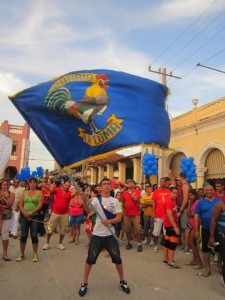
[197,35]
[184,75]
[214,55]
[182,34]
[199,48]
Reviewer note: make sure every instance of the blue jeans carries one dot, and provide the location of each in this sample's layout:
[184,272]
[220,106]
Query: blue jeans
[25,226]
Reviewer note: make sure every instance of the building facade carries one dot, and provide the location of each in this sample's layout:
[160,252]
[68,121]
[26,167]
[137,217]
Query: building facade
[20,148]
[199,133]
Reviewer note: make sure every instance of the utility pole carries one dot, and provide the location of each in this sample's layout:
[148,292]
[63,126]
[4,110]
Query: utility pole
[160,153]
[164,74]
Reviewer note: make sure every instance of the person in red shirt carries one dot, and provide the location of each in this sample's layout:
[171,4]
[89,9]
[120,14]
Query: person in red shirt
[131,219]
[159,196]
[60,213]
[219,185]
[170,223]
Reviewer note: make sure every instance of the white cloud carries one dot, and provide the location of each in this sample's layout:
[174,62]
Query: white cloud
[46,38]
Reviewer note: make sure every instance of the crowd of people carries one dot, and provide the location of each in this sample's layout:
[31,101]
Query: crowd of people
[163,214]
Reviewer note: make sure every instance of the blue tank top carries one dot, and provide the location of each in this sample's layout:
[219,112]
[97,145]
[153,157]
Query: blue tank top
[221,223]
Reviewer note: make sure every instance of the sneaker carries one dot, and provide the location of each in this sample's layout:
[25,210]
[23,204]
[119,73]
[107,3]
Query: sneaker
[151,243]
[20,257]
[139,248]
[182,251]
[83,289]
[215,257]
[35,258]
[60,247]
[46,246]
[145,241]
[155,249]
[129,246]
[124,286]
[173,266]
[223,283]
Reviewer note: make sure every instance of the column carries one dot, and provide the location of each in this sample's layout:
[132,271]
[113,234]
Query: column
[93,175]
[109,171]
[122,171]
[100,173]
[200,171]
[136,169]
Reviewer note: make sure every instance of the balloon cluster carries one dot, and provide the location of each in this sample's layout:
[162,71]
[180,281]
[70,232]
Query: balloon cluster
[150,165]
[189,168]
[25,173]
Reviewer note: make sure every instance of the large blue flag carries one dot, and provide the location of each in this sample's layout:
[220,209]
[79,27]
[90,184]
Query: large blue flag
[85,114]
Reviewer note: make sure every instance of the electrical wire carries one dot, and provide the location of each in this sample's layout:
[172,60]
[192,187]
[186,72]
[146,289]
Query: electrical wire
[211,57]
[209,40]
[184,75]
[197,35]
[182,34]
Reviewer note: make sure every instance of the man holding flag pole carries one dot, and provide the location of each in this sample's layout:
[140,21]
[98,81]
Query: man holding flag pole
[102,237]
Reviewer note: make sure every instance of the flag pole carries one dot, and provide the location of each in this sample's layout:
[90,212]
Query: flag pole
[94,209]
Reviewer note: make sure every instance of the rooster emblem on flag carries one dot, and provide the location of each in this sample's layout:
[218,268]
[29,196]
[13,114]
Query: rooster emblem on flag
[95,101]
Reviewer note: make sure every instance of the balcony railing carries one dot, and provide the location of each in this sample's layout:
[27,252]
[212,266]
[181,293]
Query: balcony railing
[199,113]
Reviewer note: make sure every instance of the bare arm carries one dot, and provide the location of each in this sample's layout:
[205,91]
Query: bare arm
[172,221]
[215,216]
[196,225]
[115,220]
[133,196]
[185,197]
[21,207]
[10,200]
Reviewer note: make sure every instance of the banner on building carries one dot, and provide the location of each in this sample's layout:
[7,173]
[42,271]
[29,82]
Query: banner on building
[85,114]
[5,150]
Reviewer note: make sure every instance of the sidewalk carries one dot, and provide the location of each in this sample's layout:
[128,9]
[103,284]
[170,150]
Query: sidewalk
[58,275]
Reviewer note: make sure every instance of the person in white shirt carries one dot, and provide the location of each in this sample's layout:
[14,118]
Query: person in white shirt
[102,237]
[17,190]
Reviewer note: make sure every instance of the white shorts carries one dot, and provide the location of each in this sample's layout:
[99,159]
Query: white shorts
[157,226]
[5,229]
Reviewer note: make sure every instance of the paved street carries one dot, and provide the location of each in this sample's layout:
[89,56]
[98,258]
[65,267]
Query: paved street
[59,273]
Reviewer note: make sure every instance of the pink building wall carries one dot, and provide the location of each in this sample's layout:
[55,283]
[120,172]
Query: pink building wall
[21,146]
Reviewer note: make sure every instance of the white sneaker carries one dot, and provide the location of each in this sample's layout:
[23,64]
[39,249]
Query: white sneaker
[215,257]
[151,243]
[155,249]
[61,247]
[145,241]
[46,246]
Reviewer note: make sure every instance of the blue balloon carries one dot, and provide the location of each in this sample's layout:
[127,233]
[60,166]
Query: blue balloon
[192,179]
[154,168]
[183,159]
[184,170]
[191,159]
[190,174]
[150,172]
[192,169]
[188,164]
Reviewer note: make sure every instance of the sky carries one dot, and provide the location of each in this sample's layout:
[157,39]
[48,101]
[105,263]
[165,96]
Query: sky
[46,38]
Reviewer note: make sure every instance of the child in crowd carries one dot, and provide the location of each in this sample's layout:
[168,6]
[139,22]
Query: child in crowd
[193,201]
